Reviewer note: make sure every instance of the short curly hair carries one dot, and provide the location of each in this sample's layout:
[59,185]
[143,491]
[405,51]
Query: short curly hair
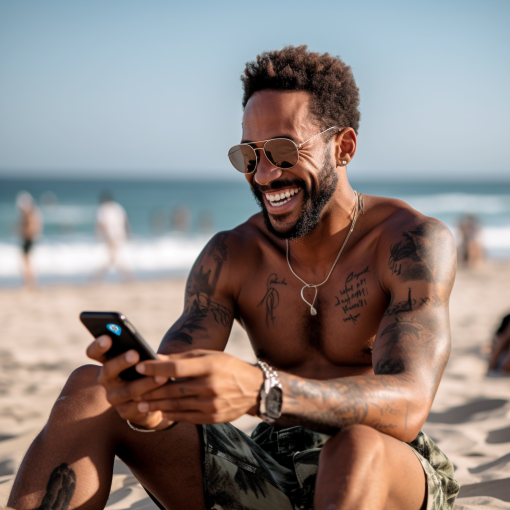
[335,95]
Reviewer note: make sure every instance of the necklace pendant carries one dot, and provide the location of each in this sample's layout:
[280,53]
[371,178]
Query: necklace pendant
[313,311]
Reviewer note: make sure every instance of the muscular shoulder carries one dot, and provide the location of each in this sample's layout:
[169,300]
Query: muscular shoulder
[231,253]
[250,240]
[414,247]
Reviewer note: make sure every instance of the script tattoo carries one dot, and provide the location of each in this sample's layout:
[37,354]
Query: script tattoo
[200,288]
[60,489]
[410,304]
[271,298]
[421,253]
[353,295]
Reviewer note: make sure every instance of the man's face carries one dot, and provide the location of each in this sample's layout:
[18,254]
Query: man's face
[304,190]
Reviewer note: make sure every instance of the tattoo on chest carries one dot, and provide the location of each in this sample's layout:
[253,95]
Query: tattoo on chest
[353,296]
[200,288]
[60,489]
[271,298]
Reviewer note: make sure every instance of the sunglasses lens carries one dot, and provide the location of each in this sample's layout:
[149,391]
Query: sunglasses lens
[282,153]
[243,158]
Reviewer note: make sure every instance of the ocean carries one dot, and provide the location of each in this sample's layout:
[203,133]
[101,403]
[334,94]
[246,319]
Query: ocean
[171,220]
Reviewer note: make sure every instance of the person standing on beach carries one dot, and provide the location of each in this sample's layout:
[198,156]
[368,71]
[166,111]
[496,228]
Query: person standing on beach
[344,298]
[112,227]
[30,227]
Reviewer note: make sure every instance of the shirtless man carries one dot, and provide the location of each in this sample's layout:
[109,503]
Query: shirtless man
[351,365]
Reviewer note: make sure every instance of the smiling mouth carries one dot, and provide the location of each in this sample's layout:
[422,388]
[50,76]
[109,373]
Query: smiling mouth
[278,199]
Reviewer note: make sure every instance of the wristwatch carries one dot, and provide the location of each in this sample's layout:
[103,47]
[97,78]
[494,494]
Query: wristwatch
[270,408]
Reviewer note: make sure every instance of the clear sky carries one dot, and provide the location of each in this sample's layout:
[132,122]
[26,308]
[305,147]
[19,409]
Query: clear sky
[151,88]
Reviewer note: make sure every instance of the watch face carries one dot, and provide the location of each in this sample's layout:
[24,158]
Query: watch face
[274,403]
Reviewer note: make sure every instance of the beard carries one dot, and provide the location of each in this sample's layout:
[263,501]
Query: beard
[315,199]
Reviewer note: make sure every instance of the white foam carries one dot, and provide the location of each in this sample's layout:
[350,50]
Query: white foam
[67,259]
[459,203]
[169,253]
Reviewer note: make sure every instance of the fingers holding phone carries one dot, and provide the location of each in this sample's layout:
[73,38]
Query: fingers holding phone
[99,347]
[119,353]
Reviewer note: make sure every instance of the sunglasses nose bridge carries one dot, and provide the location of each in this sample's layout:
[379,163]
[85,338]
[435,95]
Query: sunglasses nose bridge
[266,172]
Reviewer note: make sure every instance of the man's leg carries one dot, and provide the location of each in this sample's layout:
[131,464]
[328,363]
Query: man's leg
[70,462]
[361,468]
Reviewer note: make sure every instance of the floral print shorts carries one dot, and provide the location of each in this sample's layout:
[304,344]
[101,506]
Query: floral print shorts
[276,469]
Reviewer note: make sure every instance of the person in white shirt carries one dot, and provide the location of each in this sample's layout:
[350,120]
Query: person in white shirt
[112,227]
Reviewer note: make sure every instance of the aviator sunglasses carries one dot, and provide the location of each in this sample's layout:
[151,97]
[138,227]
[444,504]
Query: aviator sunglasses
[281,152]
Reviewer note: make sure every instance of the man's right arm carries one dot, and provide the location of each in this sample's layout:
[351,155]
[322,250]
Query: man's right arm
[208,304]
[204,324]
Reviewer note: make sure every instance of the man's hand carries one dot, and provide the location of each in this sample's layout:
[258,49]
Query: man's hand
[212,387]
[124,395]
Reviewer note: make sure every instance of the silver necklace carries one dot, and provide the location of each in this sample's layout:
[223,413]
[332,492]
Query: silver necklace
[358,206]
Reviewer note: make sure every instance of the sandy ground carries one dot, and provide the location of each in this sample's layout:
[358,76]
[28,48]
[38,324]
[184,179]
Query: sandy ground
[42,341]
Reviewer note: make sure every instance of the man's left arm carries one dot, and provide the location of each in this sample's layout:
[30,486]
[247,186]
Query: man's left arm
[410,352]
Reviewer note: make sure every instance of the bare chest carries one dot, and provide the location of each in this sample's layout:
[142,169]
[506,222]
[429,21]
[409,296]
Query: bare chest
[276,313]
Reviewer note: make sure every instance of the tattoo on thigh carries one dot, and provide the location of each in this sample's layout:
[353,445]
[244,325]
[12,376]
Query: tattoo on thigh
[60,489]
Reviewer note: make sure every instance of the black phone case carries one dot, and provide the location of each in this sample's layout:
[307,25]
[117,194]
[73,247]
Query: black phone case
[124,337]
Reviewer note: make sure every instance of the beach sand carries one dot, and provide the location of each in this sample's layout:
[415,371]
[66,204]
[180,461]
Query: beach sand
[43,341]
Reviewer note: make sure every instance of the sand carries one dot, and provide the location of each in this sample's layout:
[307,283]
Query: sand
[42,342]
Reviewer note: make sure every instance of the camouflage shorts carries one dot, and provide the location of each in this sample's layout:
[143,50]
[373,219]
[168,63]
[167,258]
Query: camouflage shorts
[276,469]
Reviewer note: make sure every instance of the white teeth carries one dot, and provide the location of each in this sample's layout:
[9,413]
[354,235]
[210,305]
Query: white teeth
[282,198]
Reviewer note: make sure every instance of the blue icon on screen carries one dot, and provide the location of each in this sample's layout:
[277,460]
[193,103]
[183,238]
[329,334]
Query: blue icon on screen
[114,329]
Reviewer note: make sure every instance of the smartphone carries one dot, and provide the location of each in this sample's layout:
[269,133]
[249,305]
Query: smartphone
[124,337]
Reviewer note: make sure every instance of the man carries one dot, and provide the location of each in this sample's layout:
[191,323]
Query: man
[30,227]
[349,320]
[112,227]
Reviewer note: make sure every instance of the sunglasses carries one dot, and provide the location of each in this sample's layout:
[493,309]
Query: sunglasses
[281,153]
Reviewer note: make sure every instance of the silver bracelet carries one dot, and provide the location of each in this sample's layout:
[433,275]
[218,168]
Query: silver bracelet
[132,427]
[269,373]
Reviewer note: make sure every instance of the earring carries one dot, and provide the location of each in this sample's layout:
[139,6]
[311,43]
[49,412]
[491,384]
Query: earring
[344,162]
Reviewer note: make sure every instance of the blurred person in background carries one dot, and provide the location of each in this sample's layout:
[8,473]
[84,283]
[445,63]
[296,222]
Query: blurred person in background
[499,361]
[206,222]
[30,227]
[112,227]
[181,219]
[470,250]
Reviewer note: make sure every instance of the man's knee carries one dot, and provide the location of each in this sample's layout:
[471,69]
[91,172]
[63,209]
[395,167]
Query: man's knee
[81,396]
[357,442]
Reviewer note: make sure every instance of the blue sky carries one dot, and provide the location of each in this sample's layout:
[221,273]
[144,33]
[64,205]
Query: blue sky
[132,88]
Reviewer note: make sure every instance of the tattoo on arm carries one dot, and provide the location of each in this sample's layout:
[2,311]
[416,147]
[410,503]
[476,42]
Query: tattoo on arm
[60,489]
[200,288]
[421,254]
[328,406]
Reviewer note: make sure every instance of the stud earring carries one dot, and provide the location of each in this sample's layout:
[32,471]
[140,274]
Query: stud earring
[344,162]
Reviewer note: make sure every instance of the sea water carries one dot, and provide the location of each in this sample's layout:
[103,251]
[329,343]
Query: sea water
[171,221]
